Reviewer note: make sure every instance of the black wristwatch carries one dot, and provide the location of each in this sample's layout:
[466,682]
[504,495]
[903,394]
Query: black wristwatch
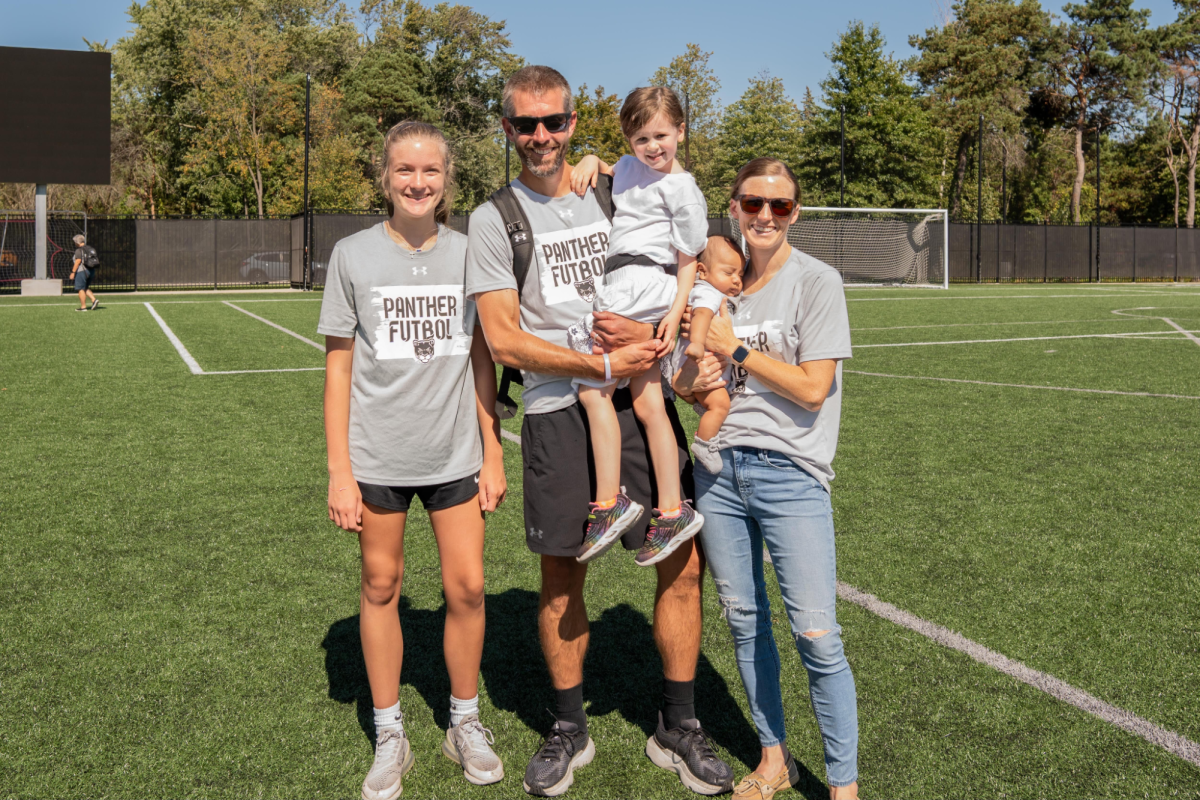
[739,356]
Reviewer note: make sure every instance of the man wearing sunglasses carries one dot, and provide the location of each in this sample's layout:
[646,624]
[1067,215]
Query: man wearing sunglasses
[526,327]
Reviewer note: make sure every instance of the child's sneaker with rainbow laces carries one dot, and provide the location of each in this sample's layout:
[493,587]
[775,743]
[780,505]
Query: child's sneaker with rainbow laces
[668,533]
[606,524]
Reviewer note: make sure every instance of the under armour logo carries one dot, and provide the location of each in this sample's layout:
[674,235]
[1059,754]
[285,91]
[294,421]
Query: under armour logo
[518,238]
[566,214]
[423,271]
[534,533]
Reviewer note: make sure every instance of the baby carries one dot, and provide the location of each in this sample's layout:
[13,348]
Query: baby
[719,277]
[660,225]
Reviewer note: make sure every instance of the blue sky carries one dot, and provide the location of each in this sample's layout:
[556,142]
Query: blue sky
[788,39]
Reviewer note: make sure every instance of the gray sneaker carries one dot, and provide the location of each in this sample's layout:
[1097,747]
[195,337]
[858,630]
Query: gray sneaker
[688,752]
[393,758]
[551,771]
[468,744]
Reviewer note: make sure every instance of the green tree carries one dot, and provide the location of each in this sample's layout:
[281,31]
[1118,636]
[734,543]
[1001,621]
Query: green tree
[697,85]
[1177,90]
[386,86]
[764,121]
[891,144]
[980,63]
[598,126]
[1097,65]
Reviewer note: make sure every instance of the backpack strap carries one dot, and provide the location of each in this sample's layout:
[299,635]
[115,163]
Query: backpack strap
[603,192]
[520,236]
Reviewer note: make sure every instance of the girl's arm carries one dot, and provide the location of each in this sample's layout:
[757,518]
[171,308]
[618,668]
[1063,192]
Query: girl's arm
[806,385]
[492,482]
[345,499]
[686,276]
[584,173]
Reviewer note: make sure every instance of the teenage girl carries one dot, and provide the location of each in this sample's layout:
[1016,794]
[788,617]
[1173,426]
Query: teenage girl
[660,225]
[408,389]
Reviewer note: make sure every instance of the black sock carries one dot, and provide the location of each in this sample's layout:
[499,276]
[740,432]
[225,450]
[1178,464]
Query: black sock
[569,706]
[679,702]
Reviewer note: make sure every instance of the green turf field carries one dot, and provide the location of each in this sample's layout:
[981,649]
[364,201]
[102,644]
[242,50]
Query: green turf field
[178,618]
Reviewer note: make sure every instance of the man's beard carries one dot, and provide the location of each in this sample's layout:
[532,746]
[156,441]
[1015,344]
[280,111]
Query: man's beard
[546,169]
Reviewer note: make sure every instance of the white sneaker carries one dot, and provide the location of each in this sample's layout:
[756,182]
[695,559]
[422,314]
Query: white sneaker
[468,744]
[393,758]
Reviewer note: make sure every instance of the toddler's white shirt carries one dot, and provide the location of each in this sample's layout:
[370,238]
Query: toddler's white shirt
[656,215]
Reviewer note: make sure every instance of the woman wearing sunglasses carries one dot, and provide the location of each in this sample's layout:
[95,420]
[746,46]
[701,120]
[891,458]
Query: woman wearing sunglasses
[786,342]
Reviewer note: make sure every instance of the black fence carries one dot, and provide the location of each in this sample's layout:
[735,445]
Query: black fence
[1000,253]
[141,253]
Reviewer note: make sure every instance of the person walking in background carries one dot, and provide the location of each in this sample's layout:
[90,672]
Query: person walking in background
[787,341]
[408,388]
[83,267]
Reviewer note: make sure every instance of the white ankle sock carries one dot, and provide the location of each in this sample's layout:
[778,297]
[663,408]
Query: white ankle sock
[389,718]
[459,709]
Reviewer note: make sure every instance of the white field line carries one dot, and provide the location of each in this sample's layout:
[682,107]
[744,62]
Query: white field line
[257,371]
[988,324]
[293,334]
[1056,688]
[1021,385]
[1025,339]
[192,364]
[512,437]
[1186,333]
[156,302]
[1003,297]
[1154,734]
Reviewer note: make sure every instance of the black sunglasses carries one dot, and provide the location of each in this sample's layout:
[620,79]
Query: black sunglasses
[526,126]
[752,204]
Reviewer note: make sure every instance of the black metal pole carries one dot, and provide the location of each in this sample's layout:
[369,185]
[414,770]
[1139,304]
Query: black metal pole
[305,275]
[1098,126]
[687,132]
[1004,190]
[842,168]
[979,209]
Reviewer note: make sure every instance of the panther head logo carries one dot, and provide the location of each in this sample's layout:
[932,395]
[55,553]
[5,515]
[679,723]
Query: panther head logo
[739,381]
[586,289]
[423,348]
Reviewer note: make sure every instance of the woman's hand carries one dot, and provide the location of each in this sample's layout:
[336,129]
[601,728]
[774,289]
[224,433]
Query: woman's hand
[345,502]
[720,339]
[668,329]
[492,483]
[583,175]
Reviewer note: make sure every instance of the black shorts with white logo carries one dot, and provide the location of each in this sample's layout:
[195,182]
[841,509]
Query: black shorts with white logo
[560,477]
[434,497]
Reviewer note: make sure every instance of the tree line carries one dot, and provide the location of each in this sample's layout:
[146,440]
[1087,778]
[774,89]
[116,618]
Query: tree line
[208,111]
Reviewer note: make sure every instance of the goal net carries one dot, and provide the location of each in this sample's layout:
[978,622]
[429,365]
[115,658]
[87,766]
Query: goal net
[876,246]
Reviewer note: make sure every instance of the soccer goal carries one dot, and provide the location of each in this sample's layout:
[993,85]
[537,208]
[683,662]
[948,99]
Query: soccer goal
[878,246]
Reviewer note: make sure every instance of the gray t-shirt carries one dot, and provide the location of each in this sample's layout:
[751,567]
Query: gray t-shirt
[412,397]
[799,316]
[570,237]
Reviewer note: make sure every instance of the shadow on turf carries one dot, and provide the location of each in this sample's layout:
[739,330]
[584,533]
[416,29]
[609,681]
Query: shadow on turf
[624,674]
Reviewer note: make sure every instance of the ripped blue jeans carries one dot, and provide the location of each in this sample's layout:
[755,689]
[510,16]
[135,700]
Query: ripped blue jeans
[761,496]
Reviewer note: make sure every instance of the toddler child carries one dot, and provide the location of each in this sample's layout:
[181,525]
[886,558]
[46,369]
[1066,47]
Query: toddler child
[660,225]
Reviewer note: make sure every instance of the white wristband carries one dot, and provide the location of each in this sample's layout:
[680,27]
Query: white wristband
[607,369]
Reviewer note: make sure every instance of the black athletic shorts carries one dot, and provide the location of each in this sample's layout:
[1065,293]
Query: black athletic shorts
[560,477]
[434,497]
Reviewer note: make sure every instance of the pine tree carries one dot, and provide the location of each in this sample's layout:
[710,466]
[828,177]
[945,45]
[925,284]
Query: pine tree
[891,145]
